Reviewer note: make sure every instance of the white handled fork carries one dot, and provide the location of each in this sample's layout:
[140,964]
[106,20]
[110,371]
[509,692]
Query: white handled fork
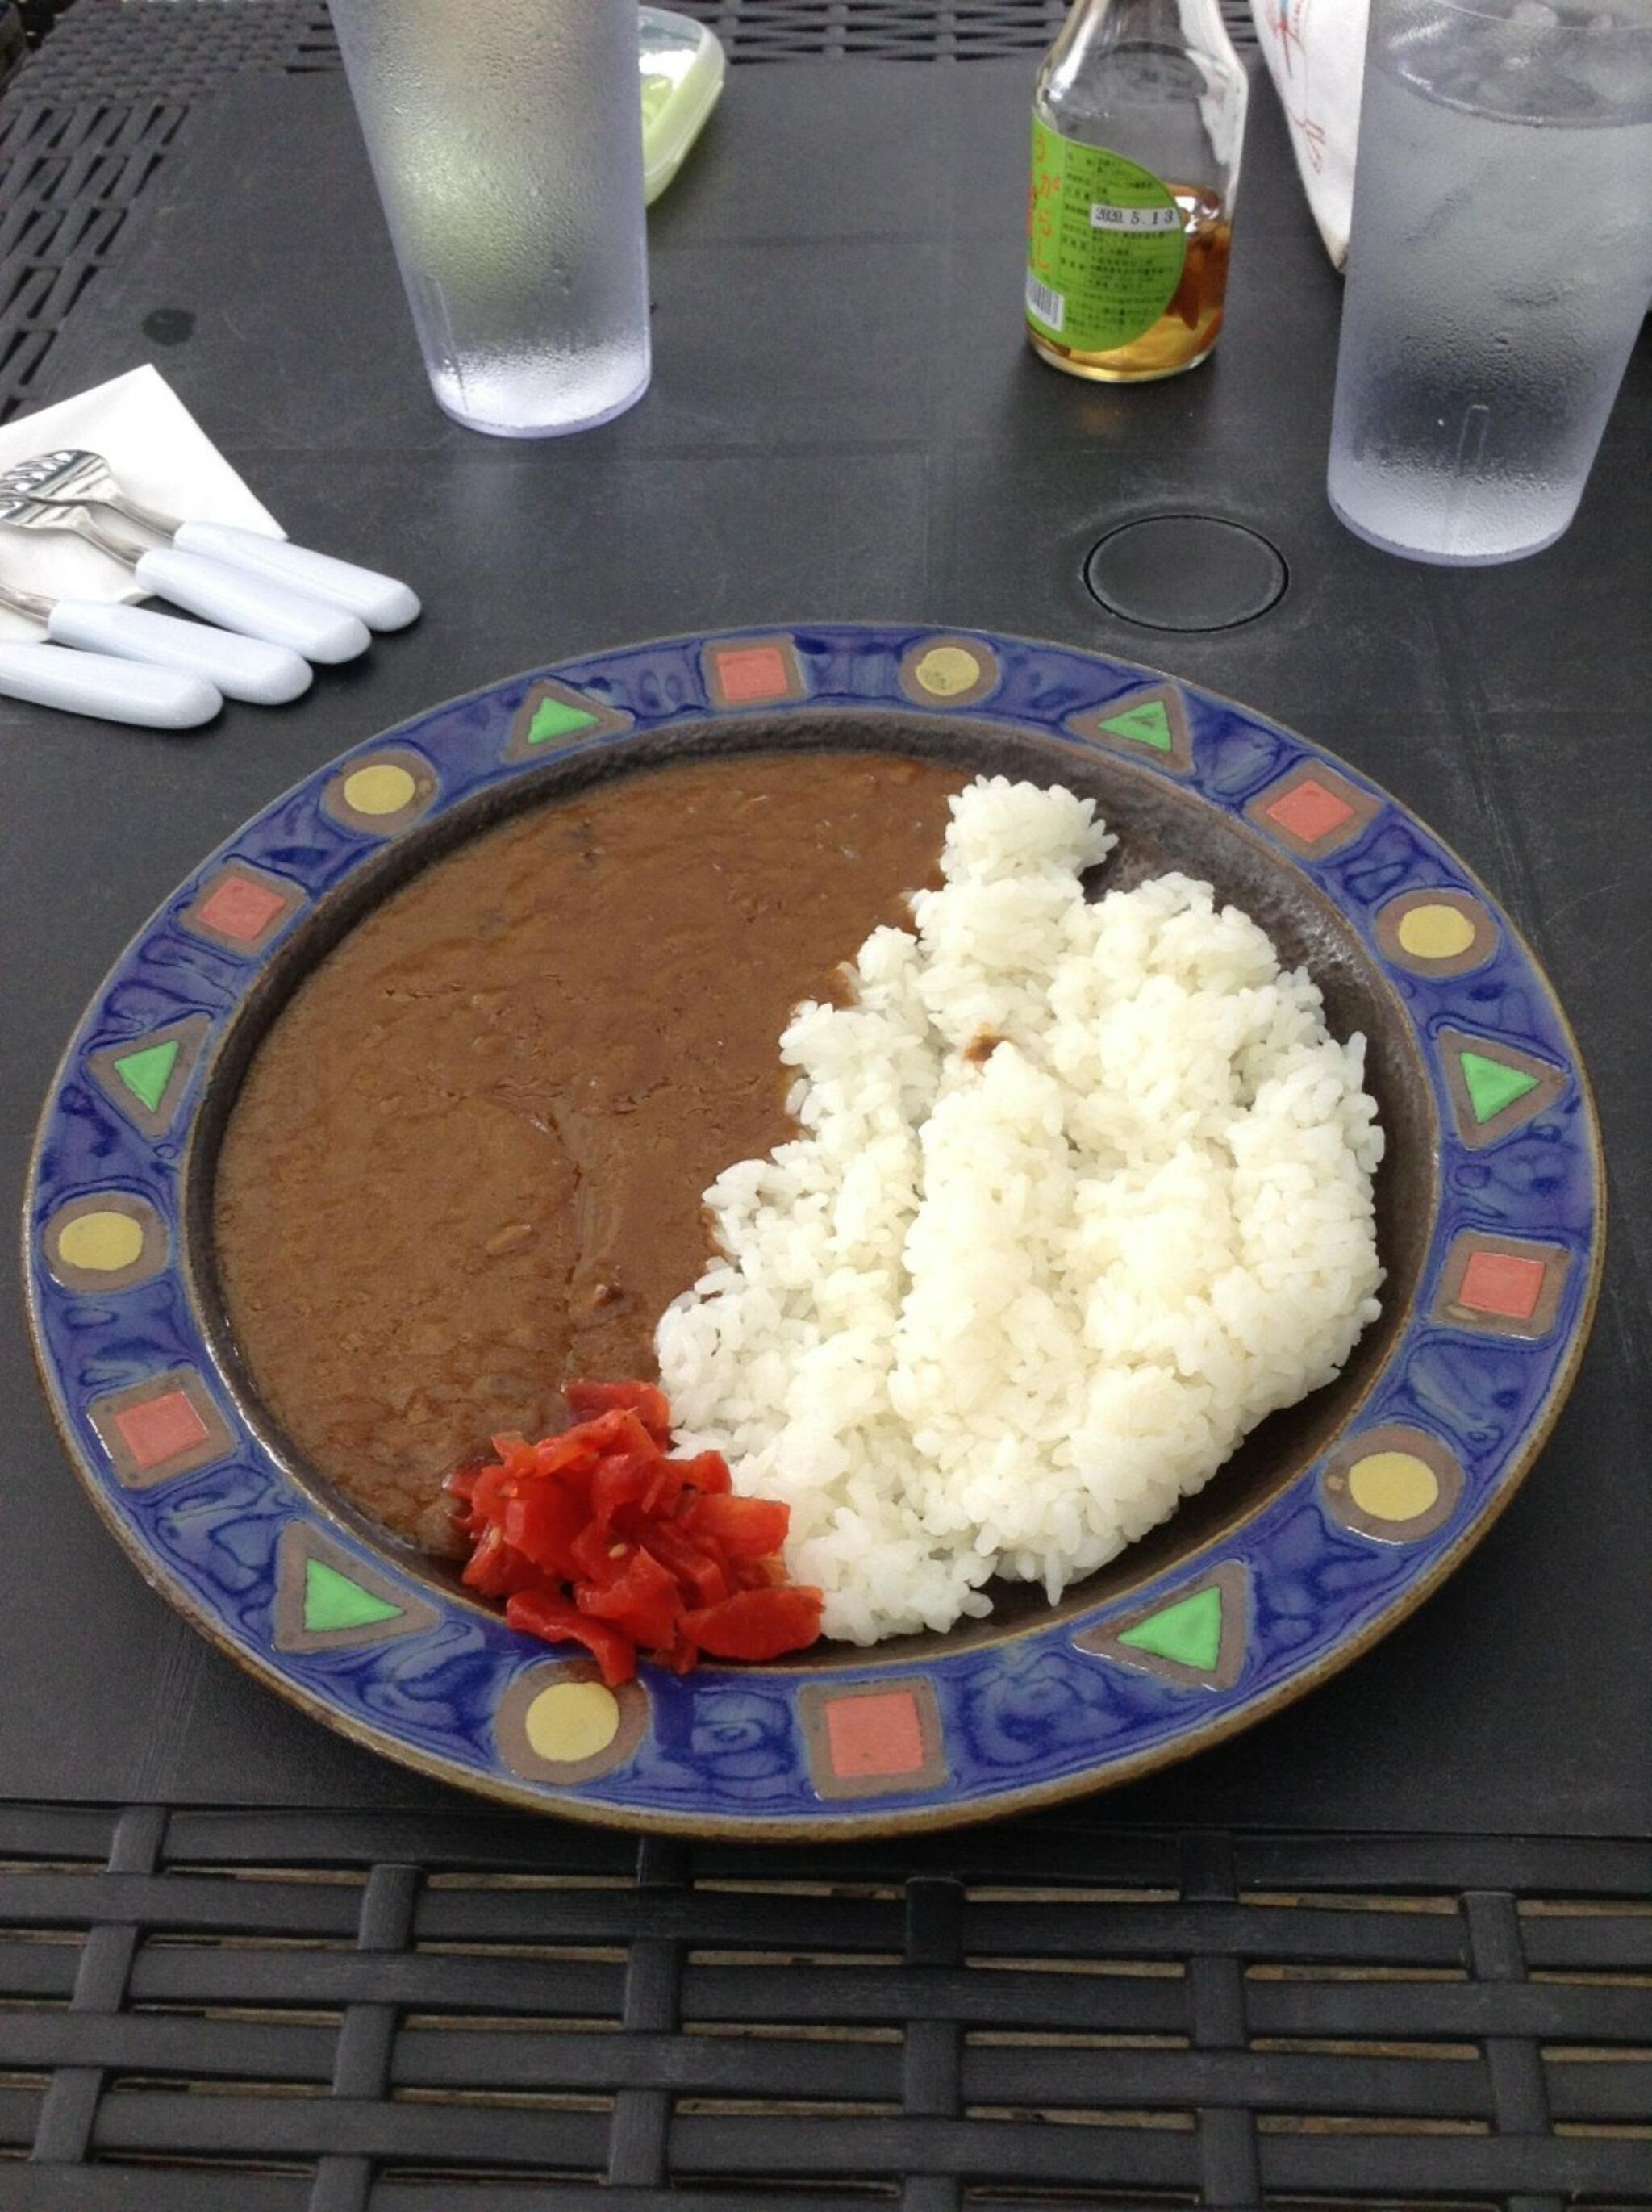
[235,598]
[239,667]
[73,476]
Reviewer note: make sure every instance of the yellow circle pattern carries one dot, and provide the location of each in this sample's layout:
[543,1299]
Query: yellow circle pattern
[946,670]
[572,1720]
[1393,1486]
[101,1244]
[381,788]
[1434,932]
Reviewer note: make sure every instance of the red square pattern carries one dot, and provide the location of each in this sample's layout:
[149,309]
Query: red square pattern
[240,908]
[1501,1283]
[879,1735]
[753,673]
[158,1429]
[1310,810]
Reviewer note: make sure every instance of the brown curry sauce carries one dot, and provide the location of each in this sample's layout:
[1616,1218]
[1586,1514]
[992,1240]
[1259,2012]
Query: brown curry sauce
[467,1161]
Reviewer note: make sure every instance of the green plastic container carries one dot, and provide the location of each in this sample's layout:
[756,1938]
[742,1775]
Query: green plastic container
[683,69]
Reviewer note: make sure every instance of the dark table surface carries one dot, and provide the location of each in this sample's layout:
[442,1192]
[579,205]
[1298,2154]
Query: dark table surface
[846,422]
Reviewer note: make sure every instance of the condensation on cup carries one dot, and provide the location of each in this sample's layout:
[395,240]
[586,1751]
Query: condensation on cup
[507,145]
[1499,268]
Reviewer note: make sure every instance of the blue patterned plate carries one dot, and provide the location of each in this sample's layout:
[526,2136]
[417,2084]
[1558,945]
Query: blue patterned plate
[1335,1521]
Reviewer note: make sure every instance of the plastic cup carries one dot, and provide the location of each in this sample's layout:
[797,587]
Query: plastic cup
[1499,267]
[506,146]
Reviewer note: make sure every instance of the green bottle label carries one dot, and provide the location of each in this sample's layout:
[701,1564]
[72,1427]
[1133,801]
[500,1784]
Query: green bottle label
[1105,245]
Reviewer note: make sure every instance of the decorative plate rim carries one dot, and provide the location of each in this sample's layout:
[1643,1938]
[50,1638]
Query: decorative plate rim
[822,1757]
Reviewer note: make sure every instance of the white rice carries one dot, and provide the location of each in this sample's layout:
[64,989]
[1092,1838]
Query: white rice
[998,1317]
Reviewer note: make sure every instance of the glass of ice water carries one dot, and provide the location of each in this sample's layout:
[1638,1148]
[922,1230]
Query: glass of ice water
[507,144]
[1499,268]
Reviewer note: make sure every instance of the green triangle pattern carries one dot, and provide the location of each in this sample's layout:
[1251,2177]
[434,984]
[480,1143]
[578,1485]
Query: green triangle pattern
[555,718]
[1492,1083]
[147,1073]
[1189,1631]
[331,1600]
[1148,724]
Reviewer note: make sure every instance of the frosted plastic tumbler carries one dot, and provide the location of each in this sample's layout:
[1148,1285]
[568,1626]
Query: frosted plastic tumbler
[506,146]
[1499,267]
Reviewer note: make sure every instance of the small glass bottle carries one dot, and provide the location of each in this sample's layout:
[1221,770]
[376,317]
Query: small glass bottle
[1139,115]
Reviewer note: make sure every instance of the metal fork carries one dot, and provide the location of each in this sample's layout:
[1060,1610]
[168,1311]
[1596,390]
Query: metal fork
[77,478]
[233,597]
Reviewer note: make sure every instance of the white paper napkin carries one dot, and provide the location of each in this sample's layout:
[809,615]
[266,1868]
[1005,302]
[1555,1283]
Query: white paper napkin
[1315,55]
[159,453]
